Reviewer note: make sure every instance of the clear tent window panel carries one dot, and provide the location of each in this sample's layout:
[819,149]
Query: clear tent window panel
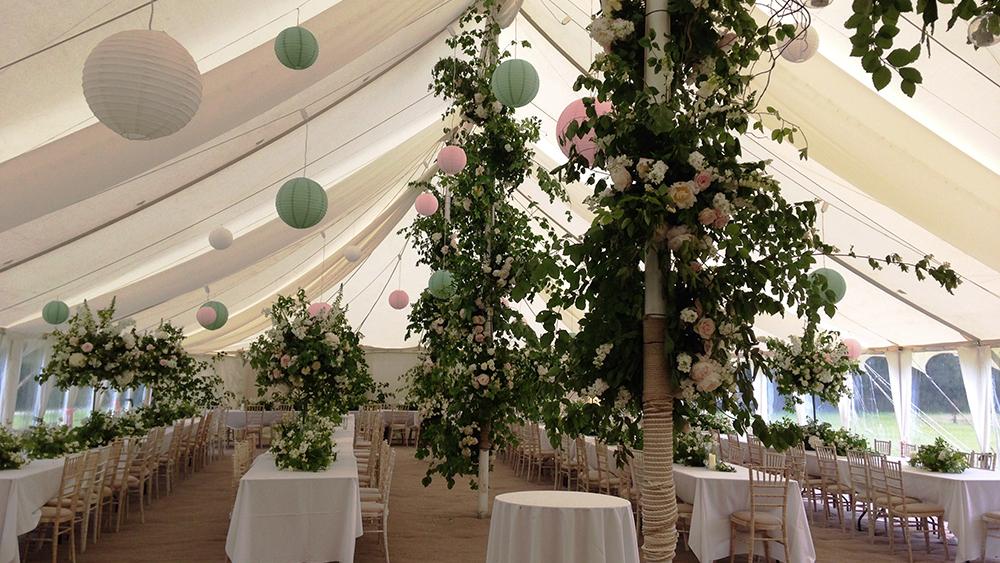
[53,411]
[27,388]
[874,416]
[82,406]
[940,404]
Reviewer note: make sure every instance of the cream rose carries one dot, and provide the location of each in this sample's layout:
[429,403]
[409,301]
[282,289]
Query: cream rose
[682,194]
[705,328]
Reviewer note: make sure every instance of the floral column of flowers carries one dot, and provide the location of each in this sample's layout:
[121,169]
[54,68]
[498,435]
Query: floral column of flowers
[481,370]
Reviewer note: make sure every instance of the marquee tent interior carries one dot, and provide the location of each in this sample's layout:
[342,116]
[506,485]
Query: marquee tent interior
[89,215]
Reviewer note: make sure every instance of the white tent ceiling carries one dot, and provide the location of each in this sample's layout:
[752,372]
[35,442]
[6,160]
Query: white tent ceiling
[86,214]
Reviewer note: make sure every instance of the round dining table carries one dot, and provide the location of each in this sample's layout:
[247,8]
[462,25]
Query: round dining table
[561,527]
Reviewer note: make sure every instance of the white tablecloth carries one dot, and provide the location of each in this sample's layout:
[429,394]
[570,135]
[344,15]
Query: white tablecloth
[715,495]
[561,527]
[238,418]
[293,516]
[22,494]
[408,418]
[965,497]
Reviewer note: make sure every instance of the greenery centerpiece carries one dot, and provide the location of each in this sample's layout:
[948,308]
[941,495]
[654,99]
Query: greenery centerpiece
[482,370]
[312,362]
[164,366]
[816,364]
[939,457]
[305,444]
[692,448]
[96,431]
[93,351]
[12,456]
[48,441]
[818,434]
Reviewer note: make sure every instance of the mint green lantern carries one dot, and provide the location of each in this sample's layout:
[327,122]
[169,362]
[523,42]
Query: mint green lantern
[296,48]
[442,284]
[515,83]
[212,315]
[55,312]
[301,203]
[834,282]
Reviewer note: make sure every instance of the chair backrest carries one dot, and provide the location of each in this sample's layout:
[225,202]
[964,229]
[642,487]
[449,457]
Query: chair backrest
[390,462]
[92,474]
[827,458]
[883,447]
[534,437]
[254,415]
[114,460]
[636,466]
[894,479]
[983,460]
[876,473]
[775,462]
[176,437]
[734,453]
[769,487]
[795,462]
[905,449]
[603,467]
[756,449]
[72,480]
[861,480]
[581,457]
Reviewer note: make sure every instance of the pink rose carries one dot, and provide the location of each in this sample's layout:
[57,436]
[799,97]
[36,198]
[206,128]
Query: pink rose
[163,362]
[707,216]
[285,361]
[721,220]
[480,337]
[275,374]
[703,179]
[677,236]
[695,266]
[87,347]
[702,369]
[705,328]
[483,379]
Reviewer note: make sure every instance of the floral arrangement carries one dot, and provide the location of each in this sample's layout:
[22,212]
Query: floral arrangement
[97,430]
[816,364]
[313,362]
[823,434]
[724,467]
[483,368]
[92,352]
[692,448]
[48,441]
[163,364]
[130,423]
[11,454]
[939,457]
[165,412]
[304,444]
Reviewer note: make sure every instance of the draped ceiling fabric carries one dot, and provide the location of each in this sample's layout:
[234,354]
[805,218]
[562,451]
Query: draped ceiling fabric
[88,215]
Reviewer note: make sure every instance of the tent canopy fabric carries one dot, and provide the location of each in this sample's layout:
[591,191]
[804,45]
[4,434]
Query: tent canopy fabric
[89,215]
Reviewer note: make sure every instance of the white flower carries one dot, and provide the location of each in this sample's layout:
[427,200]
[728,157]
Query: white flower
[689,315]
[697,160]
[77,360]
[815,441]
[684,362]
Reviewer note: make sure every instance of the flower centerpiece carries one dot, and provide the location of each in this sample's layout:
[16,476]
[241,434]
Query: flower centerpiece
[162,362]
[692,448]
[311,361]
[97,430]
[48,441]
[130,423]
[11,454]
[93,351]
[816,364]
[939,457]
[305,444]
[818,434]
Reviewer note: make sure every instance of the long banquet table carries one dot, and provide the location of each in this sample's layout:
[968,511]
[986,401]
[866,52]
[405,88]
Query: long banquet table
[22,493]
[965,497]
[238,418]
[715,495]
[297,516]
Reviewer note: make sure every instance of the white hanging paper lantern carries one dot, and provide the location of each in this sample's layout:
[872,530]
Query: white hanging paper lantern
[220,238]
[352,253]
[142,84]
[802,47]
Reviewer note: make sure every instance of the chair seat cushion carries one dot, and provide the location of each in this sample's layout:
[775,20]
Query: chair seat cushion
[885,500]
[595,476]
[920,508]
[838,488]
[992,517]
[762,520]
[52,513]
[684,508]
[372,508]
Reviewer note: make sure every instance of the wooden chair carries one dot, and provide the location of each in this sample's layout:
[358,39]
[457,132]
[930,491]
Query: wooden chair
[377,492]
[684,512]
[863,494]
[91,490]
[254,424]
[883,447]
[584,472]
[139,480]
[834,492]
[375,515]
[59,514]
[735,453]
[108,487]
[905,449]
[123,476]
[991,528]
[636,466]
[983,460]
[540,458]
[168,461]
[756,450]
[766,520]
[565,465]
[607,479]
[242,454]
[919,512]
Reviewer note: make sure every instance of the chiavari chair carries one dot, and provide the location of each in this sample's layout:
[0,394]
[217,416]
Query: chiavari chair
[919,512]
[766,521]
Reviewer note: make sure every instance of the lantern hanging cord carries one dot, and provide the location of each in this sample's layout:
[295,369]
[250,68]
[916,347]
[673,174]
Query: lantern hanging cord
[152,9]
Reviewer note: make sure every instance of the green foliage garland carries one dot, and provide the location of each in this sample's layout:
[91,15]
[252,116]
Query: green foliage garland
[939,457]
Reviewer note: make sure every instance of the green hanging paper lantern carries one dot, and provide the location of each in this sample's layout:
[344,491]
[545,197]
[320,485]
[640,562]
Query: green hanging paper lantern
[515,83]
[55,312]
[296,48]
[834,282]
[212,315]
[301,203]
[442,284]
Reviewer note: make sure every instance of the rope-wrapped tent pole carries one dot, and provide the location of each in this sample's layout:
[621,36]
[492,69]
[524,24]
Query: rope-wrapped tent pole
[659,510]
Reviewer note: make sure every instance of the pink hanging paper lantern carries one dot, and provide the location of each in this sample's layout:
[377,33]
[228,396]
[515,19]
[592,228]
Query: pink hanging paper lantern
[426,204]
[318,308]
[399,299]
[206,316]
[586,146]
[853,348]
[451,159]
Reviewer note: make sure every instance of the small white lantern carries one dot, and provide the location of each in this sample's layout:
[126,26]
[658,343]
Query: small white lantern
[352,253]
[220,238]
[142,84]
[802,47]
